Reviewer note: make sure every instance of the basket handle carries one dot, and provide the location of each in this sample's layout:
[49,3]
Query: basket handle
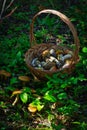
[64,19]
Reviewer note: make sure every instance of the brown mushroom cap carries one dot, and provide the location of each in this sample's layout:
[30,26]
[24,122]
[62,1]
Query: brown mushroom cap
[24,78]
[5,73]
[32,108]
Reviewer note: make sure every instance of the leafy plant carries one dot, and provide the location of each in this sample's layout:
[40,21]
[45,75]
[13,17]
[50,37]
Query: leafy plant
[24,97]
[80,125]
[48,96]
[38,104]
[24,94]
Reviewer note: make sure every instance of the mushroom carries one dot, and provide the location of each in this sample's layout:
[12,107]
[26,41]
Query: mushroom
[31,108]
[35,78]
[36,63]
[24,79]
[53,53]
[53,59]
[45,54]
[66,57]
[4,74]
[48,65]
[67,64]
[59,52]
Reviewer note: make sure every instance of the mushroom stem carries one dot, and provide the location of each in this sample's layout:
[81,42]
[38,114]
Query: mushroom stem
[15,101]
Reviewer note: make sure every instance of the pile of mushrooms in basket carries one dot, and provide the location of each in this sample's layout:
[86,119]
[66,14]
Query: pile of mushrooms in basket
[52,59]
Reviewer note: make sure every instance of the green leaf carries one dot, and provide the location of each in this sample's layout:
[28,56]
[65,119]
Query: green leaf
[50,117]
[13,81]
[73,19]
[49,97]
[19,55]
[10,88]
[77,123]
[64,85]
[40,107]
[81,77]
[62,96]
[27,90]
[37,103]
[74,80]
[85,62]
[84,49]
[24,97]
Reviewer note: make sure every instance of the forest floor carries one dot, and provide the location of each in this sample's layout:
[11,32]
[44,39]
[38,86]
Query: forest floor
[14,42]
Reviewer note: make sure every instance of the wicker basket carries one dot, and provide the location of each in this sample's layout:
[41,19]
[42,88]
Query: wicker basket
[36,49]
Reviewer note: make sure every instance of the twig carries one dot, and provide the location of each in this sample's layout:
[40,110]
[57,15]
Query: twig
[10,4]
[3,7]
[9,13]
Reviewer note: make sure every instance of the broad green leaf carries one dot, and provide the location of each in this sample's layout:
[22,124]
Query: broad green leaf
[39,107]
[84,49]
[24,97]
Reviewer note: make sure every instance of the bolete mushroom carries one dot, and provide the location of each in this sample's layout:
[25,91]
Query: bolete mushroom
[24,79]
